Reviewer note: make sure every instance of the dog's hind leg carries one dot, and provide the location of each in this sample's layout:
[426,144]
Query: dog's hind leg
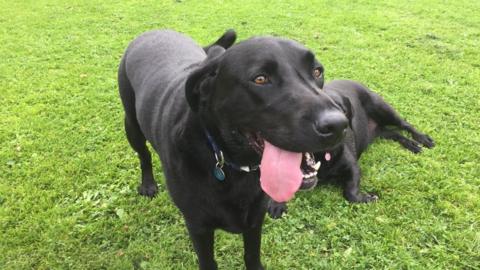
[384,115]
[137,140]
[404,141]
[135,137]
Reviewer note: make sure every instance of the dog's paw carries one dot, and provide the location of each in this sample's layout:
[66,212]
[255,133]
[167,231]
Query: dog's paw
[425,140]
[275,210]
[412,146]
[148,190]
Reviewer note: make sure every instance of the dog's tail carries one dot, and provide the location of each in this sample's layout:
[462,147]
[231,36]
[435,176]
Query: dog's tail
[225,41]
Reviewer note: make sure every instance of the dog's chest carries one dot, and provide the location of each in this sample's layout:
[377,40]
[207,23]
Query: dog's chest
[240,204]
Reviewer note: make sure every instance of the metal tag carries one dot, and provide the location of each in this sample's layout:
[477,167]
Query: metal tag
[219,174]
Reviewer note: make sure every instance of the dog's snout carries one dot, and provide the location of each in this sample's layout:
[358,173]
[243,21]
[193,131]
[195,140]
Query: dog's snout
[331,124]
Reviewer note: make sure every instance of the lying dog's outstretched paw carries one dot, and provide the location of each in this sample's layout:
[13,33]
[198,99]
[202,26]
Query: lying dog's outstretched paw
[412,146]
[148,190]
[425,140]
[275,209]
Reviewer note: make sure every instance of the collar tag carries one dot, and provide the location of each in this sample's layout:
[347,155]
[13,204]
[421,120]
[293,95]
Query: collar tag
[218,173]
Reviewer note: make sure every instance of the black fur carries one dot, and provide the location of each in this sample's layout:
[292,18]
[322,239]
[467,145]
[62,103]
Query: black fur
[225,41]
[171,91]
[370,117]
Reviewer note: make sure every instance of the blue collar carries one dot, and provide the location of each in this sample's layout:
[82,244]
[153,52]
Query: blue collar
[217,171]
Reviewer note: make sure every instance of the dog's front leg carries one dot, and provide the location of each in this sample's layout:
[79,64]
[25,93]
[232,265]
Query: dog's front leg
[251,244]
[203,245]
[351,190]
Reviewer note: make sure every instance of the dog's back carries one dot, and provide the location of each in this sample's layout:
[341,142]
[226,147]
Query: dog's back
[151,75]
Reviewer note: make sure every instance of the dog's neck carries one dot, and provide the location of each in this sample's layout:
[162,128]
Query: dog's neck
[233,145]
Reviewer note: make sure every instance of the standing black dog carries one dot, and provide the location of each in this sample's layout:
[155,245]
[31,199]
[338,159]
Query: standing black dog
[213,118]
[369,117]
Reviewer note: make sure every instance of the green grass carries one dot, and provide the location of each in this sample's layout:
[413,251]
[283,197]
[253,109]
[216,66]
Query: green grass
[68,177]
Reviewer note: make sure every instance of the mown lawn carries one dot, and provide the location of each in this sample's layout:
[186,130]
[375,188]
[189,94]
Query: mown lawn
[68,177]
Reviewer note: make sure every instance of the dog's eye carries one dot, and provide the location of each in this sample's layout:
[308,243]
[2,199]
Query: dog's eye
[317,72]
[261,80]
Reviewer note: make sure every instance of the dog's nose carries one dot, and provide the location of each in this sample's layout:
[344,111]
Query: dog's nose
[331,124]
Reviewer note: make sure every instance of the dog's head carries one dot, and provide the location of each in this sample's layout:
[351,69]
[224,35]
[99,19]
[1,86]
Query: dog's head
[264,95]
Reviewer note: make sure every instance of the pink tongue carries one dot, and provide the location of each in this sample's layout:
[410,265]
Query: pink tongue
[280,174]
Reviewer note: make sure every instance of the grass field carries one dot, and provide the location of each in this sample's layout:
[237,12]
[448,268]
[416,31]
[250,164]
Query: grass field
[68,177]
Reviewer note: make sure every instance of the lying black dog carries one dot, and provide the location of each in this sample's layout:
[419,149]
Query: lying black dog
[213,118]
[369,117]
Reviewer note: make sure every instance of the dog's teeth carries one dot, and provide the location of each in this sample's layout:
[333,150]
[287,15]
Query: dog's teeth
[317,166]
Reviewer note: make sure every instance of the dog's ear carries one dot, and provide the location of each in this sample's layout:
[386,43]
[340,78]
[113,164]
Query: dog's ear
[225,41]
[347,109]
[321,79]
[346,106]
[200,79]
